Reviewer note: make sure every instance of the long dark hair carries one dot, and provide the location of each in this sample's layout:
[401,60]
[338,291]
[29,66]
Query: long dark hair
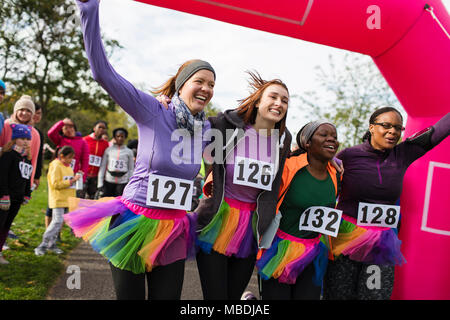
[64,151]
[374,117]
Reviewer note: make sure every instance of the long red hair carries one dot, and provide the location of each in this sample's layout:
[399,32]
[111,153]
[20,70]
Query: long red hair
[247,107]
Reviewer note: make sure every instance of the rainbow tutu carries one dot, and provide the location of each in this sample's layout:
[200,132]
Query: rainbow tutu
[288,256]
[231,231]
[132,237]
[373,245]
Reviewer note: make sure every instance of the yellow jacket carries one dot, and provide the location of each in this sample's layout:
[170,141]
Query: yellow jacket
[59,188]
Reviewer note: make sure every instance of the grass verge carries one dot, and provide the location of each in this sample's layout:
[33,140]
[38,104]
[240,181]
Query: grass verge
[28,277]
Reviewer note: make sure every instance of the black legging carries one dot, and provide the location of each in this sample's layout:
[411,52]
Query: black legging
[303,289]
[113,189]
[163,282]
[222,277]
[6,219]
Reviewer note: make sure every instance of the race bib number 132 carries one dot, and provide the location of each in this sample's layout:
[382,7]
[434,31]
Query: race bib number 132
[168,192]
[321,219]
[378,215]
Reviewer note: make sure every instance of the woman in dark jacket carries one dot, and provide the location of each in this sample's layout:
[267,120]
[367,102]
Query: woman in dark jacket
[243,197]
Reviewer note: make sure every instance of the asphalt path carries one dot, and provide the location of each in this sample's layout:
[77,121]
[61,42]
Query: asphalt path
[94,281]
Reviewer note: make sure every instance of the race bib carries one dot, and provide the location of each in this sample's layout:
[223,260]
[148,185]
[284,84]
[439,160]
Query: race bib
[253,173]
[378,215]
[322,220]
[118,165]
[95,161]
[168,192]
[72,164]
[25,170]
[65,178]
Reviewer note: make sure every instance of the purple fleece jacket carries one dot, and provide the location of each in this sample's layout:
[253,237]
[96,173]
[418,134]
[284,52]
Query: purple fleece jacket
[375,176]
[155,123]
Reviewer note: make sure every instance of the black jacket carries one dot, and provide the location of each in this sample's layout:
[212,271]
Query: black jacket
[266,201]
[12,183]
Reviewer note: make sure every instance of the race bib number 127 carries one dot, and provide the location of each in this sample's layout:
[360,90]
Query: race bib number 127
[168,192]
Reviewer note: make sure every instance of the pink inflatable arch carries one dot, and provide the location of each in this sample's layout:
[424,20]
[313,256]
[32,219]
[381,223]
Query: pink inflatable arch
[409,42]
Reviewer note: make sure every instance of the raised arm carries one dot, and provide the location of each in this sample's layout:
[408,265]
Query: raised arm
[137,104]
[441,130]
[53,132]
[423,141]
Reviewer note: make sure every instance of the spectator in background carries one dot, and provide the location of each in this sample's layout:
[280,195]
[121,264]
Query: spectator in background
[133,145]
[2,96]
[23,114]
[2,120]
[2,91]
[117,166]
[61,180]
[36,119]
[97,146]
[15,174]
[63,133]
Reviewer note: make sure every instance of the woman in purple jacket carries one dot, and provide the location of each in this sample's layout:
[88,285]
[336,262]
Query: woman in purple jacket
[146,233]
[367,242]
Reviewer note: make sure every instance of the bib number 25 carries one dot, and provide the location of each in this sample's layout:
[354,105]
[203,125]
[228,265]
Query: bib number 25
[168,192]
[378,215]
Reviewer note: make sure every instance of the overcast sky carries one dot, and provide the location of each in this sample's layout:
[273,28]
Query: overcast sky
[157,41]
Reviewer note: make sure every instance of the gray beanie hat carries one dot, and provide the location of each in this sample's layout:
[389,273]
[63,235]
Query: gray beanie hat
[189,71]
[308,131]
[25,102]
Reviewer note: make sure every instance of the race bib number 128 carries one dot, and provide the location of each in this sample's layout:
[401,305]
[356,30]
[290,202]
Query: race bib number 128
[378,215]
[168,192]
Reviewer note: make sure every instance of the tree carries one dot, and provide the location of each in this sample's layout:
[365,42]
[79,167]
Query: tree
[42,54]
[352,91]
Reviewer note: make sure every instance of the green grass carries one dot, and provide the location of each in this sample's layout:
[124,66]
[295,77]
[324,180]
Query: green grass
[28,277]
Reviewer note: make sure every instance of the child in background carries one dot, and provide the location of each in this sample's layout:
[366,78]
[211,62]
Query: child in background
[61,186]
[15,174]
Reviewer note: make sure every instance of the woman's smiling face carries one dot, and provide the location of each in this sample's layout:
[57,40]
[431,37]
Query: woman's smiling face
[273,104]
[198,90]
[323,143]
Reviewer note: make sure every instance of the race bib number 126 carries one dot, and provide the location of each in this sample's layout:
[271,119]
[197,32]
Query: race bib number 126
[168,192]
[378,215]
[253,173]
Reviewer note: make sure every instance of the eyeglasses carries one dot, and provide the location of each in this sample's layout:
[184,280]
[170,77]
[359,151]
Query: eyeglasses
[387,126]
